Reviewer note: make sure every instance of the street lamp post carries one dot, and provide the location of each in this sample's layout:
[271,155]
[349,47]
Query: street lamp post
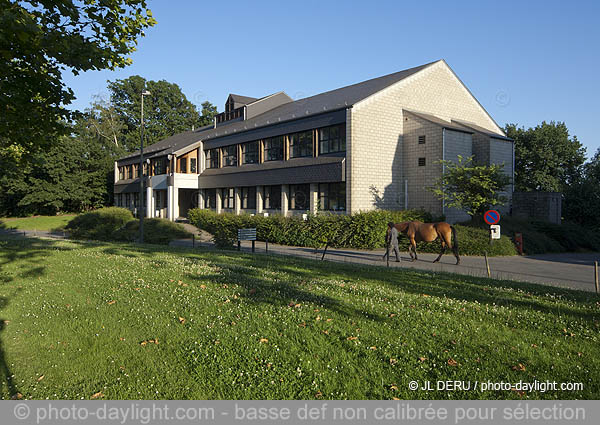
[141,172]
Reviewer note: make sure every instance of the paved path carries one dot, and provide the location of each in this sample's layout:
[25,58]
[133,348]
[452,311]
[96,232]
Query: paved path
[575,271]
[569,270]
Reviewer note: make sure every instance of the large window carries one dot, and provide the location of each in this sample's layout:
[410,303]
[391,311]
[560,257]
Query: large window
[272,197]
[210,198]
[299,197]
[274,148]
[332,196]
[193,165]
[250,153]
[249,198]
[160,166]
[230,156]
[227,198]
[183,165]
[332,139]
[212,158]
[301,144]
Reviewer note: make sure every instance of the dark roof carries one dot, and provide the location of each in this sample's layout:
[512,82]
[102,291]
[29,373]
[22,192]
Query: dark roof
[482,130]
[442,123]
[242,99]
[329,101]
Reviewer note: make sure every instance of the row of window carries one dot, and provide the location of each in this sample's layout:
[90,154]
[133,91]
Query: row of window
[331,197]
[331,139]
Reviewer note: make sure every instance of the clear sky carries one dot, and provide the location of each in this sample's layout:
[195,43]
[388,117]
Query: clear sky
[525,61]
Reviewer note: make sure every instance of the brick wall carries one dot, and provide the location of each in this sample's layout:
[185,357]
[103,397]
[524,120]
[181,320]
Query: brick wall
[457,143]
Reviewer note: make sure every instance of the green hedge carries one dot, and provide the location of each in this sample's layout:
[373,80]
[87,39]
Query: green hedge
[540,237]
[100,225]
[365,230]
[118,224]
[156,231]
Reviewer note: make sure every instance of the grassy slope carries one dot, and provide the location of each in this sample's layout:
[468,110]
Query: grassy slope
[37,222]
[274,327]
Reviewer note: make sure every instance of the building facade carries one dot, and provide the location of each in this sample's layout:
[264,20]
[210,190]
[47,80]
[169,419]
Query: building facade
[371,145]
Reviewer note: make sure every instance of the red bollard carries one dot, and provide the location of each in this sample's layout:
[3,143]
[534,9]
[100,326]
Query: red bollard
[519,242]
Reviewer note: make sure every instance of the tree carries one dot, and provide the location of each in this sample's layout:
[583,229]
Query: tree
[208,113]
[39,40]
[546,158]
[470,187]
[581,201]
[166,111]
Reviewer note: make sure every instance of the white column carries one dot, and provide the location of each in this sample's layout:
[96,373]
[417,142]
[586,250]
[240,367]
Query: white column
[170,202]
[284,199]
[175,203]
[259,199]
[149,202]
[201,198]
[314,196]
[218,201]
[237,201]
[116,172]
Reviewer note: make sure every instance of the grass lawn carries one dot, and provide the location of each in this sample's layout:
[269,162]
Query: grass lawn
[39,222]
[126,322]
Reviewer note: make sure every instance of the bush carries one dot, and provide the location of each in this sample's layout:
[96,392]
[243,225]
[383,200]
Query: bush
[365,230]
[100,225]
[156,231]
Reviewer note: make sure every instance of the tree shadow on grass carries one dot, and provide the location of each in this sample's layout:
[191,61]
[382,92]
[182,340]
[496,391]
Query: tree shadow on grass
[5,373]
[443,285]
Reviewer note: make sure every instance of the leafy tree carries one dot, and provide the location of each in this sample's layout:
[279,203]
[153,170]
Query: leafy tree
[39,40]
[166,111]
[470,187]
[208,113]
[546,158]
[581,201]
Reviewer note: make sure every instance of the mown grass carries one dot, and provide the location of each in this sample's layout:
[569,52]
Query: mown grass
[82,320]
[52,222]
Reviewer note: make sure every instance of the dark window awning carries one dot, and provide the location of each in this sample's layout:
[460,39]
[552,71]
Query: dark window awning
[331,170]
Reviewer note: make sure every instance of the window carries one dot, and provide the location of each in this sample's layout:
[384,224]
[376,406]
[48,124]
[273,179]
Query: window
[136,200]
[121,173]
[272,197]
[332,196]
[274,149]
[421,162]
[183,165]
[250,153]
[230,156]
[127,200]
[299,197]
[136,169]
[332,139]
[159,166]
[128,172]
[117,200]
[301,144]
[227,198]
[249,198]
[212,158]
[421,140]
[210,198]
[193,165]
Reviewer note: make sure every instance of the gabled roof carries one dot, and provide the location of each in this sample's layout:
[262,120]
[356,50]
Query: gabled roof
[482,130]
[244,100]
[332,100]
[436,120]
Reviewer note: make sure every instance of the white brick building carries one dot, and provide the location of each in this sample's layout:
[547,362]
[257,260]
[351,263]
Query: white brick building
[369,145]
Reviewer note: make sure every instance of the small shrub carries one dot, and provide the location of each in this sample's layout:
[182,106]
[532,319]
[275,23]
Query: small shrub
[156,231]
[99,225]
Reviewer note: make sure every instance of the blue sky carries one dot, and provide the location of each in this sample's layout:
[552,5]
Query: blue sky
[524,61]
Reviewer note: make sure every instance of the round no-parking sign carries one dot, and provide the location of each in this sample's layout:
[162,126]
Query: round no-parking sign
[491,217]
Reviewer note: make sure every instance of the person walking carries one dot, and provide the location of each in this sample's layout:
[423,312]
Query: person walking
[391,241]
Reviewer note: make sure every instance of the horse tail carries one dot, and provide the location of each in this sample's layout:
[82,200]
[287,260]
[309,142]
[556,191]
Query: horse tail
[454,240]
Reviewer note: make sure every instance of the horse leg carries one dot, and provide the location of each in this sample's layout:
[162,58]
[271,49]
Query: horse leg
[442,251]
[413,245]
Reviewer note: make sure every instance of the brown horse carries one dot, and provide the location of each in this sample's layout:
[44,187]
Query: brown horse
[417,231]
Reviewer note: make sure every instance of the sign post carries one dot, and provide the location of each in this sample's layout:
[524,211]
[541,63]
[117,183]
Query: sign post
[492,217]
